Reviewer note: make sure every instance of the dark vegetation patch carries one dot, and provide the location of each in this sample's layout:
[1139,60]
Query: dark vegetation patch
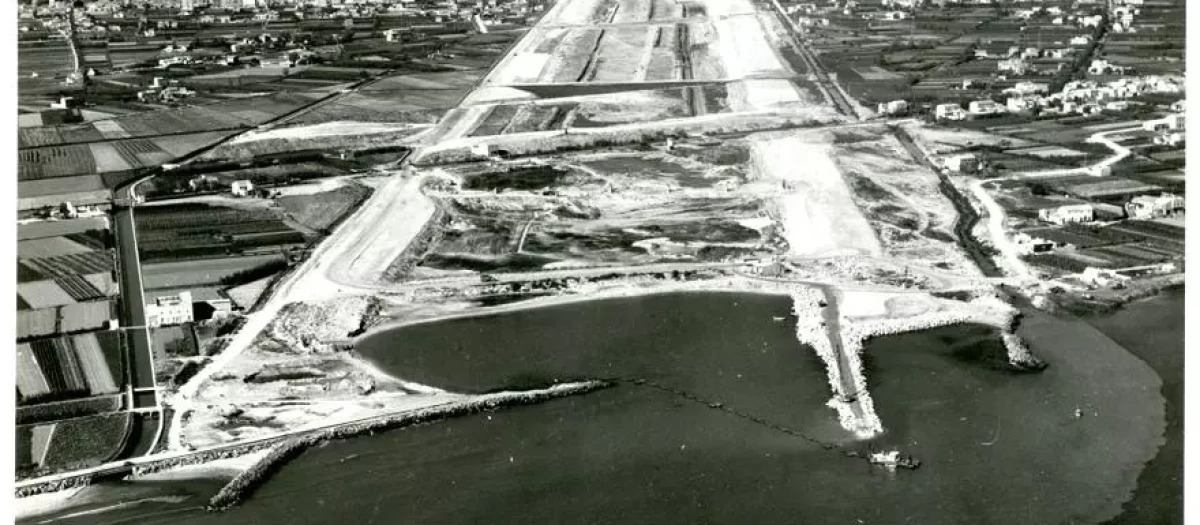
[26,274]
[723,253]
[248,275]
[508,298]
[710,230]
[184,231]
[720,154]
[86,442]
[867,188]
[524,178]
[507,262]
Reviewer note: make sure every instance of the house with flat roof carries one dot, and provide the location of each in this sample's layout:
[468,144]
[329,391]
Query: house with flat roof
[169,310]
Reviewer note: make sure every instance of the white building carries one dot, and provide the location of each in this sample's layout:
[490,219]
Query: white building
[894,107]
[985,107]
[1170,122]
[169,310]
[1029,88]
[1027,244]
[1170,139]
[241,188]
[1015,66]
[1067,214]
[963,163]
[951,111]
[1148,207]
[481,149]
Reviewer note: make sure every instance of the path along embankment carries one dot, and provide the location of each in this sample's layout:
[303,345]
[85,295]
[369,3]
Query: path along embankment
[244,484]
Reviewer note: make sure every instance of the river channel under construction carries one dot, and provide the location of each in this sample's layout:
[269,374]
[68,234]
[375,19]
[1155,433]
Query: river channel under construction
[719,417]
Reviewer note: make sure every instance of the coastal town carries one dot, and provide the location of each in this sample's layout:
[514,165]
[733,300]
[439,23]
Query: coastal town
[221,203]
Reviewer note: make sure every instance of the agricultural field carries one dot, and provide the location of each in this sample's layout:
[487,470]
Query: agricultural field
[279,175]
[196,230]
[85,442]
[420,98]
[189,274]
[173,341]
[330,137]
[68,366]
[321,211]
[221,116]
[55,270]
[51,60]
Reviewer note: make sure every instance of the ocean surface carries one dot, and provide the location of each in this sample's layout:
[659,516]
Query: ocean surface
[997,447]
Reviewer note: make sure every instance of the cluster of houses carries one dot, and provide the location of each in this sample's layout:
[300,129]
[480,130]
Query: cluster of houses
[164,92]
[1077,97]
[1141,207]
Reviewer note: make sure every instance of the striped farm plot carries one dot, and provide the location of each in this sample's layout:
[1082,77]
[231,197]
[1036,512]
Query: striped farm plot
[141,152]
[83,263]
[55,161]
[108,158]
[180,145]
[61,367]
[111,129]
[35,137]
[44,294]
[103,282]
[49,247]
[30,379]
[95,368]
[78,288]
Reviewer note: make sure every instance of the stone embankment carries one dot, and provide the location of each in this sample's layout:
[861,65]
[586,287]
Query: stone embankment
[855,409]
[843,357]
[82,480]
[146,469]
[987,310]
[244,484]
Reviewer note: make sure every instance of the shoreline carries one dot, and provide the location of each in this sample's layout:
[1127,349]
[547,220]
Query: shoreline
[721,285]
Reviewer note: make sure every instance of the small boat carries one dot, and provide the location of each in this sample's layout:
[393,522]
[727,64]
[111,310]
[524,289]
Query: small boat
[777,319]
[715,405]
[893,460]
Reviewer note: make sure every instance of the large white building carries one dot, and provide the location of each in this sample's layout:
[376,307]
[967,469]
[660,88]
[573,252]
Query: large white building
[169,310]
[1068,213]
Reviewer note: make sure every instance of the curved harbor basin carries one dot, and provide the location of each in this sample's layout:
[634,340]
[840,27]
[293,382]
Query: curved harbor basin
[996,447]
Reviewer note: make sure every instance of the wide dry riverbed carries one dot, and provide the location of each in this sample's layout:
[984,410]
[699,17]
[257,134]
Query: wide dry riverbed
[998,447]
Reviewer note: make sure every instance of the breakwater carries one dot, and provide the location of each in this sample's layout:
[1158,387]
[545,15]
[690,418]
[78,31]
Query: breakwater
[840,341]
[851,401]
[244,484]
